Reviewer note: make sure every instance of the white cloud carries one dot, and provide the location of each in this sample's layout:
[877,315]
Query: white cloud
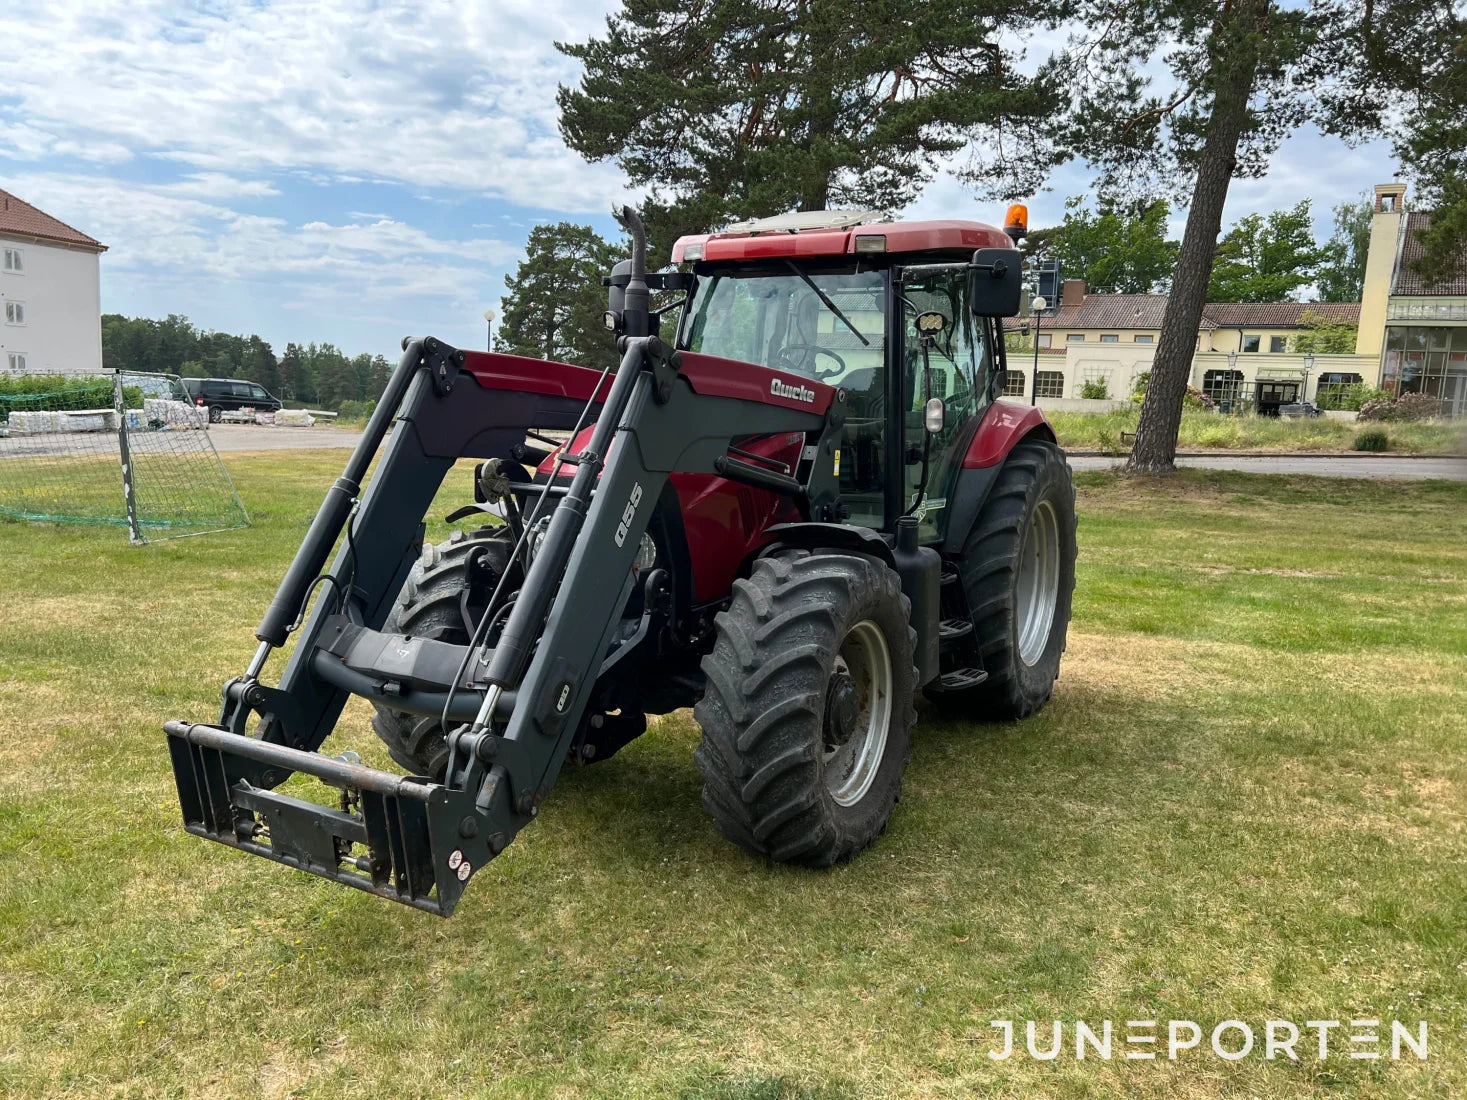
[442,94]
[158,235]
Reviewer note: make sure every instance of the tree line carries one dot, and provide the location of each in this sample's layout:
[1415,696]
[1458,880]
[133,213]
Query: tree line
[311,374]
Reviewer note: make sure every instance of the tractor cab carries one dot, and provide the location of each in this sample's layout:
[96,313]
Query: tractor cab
[836,296]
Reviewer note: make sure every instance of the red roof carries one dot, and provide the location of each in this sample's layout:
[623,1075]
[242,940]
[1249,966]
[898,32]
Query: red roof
[1279,314]
[1113,312]
[1408,281]
[20,218]
[943,235]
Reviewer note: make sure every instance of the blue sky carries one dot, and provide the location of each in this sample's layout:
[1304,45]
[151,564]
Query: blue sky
[354,171]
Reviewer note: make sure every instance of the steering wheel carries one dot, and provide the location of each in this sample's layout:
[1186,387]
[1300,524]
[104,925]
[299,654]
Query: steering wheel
[785,359]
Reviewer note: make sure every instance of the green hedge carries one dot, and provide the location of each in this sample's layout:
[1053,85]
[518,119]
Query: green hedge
[42,392]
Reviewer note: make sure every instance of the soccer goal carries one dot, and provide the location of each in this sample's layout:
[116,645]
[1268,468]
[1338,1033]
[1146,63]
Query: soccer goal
[124,449]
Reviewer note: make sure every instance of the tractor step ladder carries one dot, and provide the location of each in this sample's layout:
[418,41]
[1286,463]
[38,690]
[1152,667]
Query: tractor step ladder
[960,678]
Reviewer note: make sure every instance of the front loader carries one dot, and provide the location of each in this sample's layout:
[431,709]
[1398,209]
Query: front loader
[793,513]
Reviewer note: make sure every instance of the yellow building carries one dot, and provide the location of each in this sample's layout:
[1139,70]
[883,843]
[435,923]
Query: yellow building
[1243,355]
[1414,328]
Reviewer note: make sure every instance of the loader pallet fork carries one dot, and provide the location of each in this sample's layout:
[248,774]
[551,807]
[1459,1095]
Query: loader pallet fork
[676,532]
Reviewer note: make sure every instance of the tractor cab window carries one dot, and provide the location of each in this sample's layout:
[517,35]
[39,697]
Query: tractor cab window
[955,369]
[818,322]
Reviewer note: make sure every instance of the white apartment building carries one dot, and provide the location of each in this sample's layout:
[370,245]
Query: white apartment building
[50,293]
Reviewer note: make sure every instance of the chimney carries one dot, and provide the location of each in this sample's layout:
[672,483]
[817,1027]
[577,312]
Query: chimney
[1390,198]
[1072,294]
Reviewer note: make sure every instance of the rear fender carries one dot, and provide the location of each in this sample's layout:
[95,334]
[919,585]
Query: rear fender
[1003,427]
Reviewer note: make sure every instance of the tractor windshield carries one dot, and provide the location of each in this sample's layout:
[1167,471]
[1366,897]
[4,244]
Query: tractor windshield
[820,323]
[825,325]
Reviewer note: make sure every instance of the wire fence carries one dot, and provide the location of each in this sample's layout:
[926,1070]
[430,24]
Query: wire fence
[125,449]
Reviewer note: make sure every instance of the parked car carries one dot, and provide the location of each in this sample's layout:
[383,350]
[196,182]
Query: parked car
[220,395]
[1300,410]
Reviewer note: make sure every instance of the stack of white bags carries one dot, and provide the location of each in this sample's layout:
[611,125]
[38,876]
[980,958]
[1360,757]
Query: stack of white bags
[174,414]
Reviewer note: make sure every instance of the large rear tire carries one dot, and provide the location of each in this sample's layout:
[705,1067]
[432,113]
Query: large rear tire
[807,713]
[1018,572]
[430,606]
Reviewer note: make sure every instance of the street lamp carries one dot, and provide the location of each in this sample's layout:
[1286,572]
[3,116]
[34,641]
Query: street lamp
[1308,366]
[489,316]
[1036,307]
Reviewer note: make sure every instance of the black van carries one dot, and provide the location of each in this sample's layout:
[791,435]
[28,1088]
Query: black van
[220,394]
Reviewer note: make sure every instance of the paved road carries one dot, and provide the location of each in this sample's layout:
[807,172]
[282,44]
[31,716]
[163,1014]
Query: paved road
[253,437]
[261,437]
[246,437]
[1447,469]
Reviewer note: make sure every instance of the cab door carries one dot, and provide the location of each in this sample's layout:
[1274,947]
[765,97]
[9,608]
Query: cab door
[956,370]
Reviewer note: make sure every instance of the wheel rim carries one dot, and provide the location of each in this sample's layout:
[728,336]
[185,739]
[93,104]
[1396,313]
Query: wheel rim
[1036,588]
[851,768]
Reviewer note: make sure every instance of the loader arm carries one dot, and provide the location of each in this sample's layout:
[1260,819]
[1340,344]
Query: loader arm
[520,703]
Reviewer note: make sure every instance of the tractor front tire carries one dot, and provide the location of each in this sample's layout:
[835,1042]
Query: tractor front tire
[807,712]
[1018,572]
[429,606]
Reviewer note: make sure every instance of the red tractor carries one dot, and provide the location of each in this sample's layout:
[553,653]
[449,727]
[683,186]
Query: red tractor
[793,505]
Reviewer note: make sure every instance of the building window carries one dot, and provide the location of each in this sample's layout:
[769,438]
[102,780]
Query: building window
[1332,388]
[16,360]
[1110,338]
[1250,343]
[1049,383]
[1044,339]
[1277,345]
[14,312]
[13,261]
[1144,338]
[1013,383]
[1222,385]
[1075,338]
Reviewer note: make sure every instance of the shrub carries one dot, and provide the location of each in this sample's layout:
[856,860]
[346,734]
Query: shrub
[356,410]
[1350,398]
[1196,399]
[1418,406]
[1372,439]
[1192,399]
[59,391]
[1409,406]
[1096,389]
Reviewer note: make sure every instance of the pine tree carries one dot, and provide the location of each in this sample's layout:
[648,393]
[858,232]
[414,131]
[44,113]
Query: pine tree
[1243,75]
[1400,67]
[555,300]
[747,108]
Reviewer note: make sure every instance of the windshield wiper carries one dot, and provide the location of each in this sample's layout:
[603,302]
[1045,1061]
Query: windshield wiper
[809,282]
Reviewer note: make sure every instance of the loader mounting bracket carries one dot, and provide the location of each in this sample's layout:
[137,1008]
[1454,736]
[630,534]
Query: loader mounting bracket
[443,363]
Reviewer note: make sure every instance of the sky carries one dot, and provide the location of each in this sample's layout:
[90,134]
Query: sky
[352,172]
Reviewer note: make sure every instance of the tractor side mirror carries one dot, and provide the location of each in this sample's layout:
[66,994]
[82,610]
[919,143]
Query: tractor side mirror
[995,282]
[616,282]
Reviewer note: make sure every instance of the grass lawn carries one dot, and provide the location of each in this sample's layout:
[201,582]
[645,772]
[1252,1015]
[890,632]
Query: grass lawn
[1245,801]
[1202,431]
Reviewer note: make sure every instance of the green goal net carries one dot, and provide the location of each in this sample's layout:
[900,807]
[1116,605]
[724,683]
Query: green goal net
[123,449]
